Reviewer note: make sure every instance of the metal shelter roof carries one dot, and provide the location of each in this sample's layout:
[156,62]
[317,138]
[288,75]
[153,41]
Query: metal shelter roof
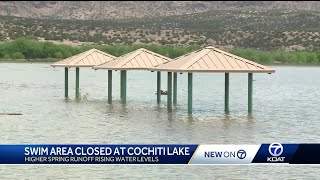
[88,58]
[139,59]
[210,59]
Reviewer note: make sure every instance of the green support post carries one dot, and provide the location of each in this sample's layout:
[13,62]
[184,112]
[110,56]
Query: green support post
[66,82]
[169,94]
[175,88]
[77,83]
[123,86]
[158,87]
[226,96]
[109,86]
[190,93]
[121,93]
[250,79]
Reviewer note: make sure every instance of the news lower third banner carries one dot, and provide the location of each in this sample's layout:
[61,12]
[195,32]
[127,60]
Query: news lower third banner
[159,154]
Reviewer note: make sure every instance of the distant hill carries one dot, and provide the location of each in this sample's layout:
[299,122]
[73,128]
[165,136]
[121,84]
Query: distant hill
[264,30]
[264,25]
[97,10]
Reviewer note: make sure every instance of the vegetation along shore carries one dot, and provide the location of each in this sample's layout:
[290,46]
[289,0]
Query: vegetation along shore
[27,50]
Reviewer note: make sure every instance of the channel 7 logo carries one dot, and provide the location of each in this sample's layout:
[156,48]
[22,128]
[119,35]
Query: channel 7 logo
[275,150]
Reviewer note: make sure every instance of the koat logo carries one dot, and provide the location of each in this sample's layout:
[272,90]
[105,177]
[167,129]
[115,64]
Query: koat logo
[275,149]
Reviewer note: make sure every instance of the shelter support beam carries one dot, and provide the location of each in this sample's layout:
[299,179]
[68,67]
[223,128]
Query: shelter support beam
[226,91]
[77,83]
[66,82]
[175,88]
[169,94]
[250,79]
[123,86]
[190,93]
[158,87]
[109,86]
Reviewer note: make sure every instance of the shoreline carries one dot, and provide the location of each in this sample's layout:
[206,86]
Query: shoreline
[55,60]
[29,61]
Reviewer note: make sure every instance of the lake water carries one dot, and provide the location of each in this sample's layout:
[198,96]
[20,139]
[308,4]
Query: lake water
[286,108]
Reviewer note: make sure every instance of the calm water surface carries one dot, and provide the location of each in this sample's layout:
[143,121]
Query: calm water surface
[286,109]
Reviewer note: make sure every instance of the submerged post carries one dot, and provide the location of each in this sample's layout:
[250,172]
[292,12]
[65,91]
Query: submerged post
[121,93]
[66,82]
[77,83]
[190,93]
[175,88]
[123,86]
[158,87]
[109,86]
[226,96]
[250,77]
[169,94]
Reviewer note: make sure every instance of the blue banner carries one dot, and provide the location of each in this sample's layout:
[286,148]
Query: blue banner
[159,154]
[275,153]
[96,154]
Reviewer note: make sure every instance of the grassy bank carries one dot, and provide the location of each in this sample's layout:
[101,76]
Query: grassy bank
[44,60]
[280,57]
[25,50]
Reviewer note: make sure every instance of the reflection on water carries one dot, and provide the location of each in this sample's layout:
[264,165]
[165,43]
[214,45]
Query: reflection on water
[285,109]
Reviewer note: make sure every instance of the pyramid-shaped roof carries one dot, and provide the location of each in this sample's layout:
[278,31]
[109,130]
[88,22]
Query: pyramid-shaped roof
[88,58]
[139,59]
[210,59]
